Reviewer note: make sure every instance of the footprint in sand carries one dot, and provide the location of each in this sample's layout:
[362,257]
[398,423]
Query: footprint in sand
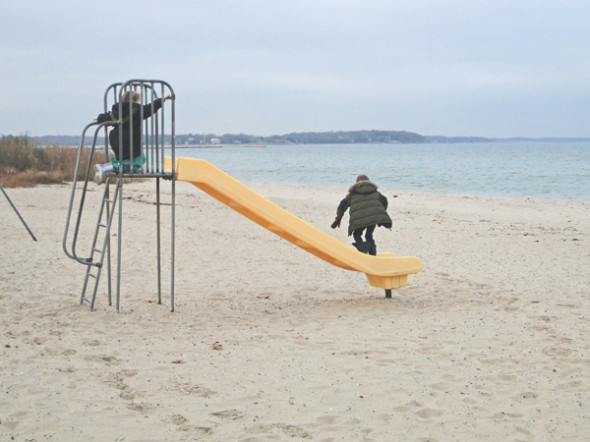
[407,407]
[423,412]
[504,379]
[502,415]
[228,414]
[527,395]
[183,425]
[118,382]
[332,420]
[558,352]
[441,386]
[295,431]
[178,419]
[91,342]
[139,407]
[428,413]
[191,389]
[290,430]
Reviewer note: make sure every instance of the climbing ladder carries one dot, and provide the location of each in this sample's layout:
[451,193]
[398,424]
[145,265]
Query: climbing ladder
[101,243]
[154,142]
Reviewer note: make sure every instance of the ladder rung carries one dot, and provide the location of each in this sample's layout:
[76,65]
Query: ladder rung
[89,261]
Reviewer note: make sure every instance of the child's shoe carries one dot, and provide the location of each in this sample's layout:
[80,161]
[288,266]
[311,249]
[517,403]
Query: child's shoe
[100,172]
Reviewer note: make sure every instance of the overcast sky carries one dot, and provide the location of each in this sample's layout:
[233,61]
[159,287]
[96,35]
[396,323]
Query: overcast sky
[496,68]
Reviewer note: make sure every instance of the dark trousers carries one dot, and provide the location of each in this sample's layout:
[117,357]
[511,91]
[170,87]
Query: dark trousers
[358,234]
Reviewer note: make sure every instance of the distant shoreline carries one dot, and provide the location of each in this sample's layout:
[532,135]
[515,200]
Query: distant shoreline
[352,137]
[218,146]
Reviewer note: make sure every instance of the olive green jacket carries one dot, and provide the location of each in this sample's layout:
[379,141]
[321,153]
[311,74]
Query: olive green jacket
[368,207]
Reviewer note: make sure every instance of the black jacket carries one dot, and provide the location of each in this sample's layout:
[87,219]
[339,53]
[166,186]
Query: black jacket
[130,150]
[368,207]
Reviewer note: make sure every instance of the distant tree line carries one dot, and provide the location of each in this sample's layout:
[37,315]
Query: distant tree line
[338,137]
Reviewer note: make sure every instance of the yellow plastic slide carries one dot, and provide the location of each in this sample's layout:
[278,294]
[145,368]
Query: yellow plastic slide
[385,270]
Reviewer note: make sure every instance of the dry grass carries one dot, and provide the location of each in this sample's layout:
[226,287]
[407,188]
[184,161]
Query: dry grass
[25,164]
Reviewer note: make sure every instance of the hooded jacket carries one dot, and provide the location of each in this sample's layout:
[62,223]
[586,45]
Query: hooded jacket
[131,120]
[368,207]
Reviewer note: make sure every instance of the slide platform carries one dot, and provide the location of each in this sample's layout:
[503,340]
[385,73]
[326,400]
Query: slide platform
[386,270]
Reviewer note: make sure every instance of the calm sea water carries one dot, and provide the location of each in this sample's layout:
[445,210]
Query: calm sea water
[540,170]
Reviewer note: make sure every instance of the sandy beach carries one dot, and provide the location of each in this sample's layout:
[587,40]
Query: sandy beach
[489,342]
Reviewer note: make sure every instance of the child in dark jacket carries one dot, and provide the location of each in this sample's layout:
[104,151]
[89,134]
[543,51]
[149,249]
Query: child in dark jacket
[131,116]
[368,209]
